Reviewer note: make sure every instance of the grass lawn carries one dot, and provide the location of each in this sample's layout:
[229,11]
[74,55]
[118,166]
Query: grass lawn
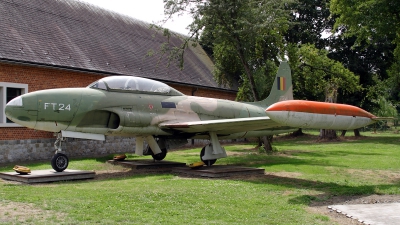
[300,173]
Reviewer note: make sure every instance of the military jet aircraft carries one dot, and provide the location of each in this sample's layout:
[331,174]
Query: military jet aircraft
[165,118]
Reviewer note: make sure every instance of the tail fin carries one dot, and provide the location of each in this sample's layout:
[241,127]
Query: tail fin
[282,88]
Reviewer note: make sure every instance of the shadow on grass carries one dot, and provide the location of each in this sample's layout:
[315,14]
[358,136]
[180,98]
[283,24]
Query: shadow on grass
[254,160]
[313,140]
[317,158]
[104,159]
[315,153]
[329,189]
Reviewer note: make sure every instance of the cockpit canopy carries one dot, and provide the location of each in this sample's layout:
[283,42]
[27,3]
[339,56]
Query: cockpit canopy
[133,84]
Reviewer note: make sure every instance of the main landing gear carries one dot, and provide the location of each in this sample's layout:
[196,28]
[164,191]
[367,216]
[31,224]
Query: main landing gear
[209,162]
[158,148]
[159,156]
[60,161]
[213,151]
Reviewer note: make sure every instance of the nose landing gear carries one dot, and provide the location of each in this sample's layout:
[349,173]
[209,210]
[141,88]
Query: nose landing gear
[60,161]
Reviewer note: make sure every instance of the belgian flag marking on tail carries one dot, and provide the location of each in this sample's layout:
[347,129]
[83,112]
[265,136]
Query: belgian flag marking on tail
[281,83]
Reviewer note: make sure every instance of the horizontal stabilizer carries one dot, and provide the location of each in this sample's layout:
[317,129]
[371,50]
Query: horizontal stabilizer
[382,118]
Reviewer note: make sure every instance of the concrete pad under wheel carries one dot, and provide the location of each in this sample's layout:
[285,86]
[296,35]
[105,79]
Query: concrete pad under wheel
[220,171]
[147,164]
[377,214]
[43,176]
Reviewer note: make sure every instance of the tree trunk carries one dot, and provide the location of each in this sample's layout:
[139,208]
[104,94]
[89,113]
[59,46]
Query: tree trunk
[330,96]
[260,143]
[247,69]
[267,141]
[343,133]
[328,134]
[357,133]
[298,132]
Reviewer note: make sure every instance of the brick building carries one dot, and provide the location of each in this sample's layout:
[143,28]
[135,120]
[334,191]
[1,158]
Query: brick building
[66,43]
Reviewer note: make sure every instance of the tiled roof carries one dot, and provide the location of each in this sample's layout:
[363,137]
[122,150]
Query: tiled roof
[77,35]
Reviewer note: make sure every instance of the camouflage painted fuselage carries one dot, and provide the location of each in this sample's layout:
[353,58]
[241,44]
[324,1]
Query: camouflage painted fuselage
[98,111]
[134,106]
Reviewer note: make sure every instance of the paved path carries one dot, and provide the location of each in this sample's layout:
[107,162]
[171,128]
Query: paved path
[374,214]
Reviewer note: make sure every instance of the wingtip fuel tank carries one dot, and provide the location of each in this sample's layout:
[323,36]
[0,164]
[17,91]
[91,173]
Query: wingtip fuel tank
[319,115]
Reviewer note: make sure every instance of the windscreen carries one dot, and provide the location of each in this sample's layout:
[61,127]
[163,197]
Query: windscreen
[128,83]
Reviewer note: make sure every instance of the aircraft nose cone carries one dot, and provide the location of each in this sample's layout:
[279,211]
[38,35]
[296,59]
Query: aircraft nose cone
[11,106]
[16,112]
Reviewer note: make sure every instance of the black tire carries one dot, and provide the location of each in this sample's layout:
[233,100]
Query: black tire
[207,162]
[59,162]
[159,156]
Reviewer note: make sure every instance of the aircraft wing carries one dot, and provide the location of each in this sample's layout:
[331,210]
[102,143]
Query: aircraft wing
[223,126]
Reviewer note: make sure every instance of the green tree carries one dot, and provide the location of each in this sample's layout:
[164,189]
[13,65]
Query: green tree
[244,36]
[370,22]
[320,75]
[310,20]
[369,62]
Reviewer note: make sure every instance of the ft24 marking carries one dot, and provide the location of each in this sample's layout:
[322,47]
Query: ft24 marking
[57,106]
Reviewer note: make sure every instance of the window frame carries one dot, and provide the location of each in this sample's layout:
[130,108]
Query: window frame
[3,101]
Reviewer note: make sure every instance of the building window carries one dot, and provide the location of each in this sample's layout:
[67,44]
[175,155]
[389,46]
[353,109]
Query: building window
[8,91]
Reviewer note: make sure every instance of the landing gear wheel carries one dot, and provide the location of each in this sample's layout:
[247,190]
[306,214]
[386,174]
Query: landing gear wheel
[207,162]
[159,156]
[59,162]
